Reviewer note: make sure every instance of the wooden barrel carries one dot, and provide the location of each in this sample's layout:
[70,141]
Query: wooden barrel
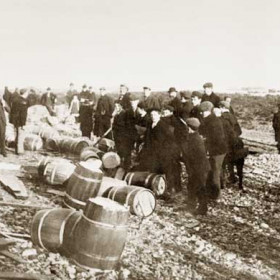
[48,132]
[141,201]
[42,165]
[83,184]
[111,160]
[81,144]
[32,142]
[154,182]
[108,182]
[58,172]
[67,145]
[90,152]
[52,144]
[47,228]
[100,236]
[106,145]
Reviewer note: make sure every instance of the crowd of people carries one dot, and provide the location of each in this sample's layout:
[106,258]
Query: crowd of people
[154,133]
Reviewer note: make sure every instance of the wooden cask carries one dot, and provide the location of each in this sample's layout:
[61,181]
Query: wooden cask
[52,144]
[83,184]
[108,182]
[154,182]
[100,235]
[90,152]
[47,228]
[106,145]
[111,160]
[141,201]
[48,132]
[81,144]
[32,142]
[42,165]
[67,145]
[58,171]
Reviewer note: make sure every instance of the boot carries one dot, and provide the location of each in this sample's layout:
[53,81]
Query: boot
[201,209]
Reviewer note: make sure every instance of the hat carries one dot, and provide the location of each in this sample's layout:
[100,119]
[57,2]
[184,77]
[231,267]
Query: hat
[133,97]
[146,88]
[102,88]
[22,91]
[172,89]
[168,107]
[224,104]
[193,123]
[186,94]
[208,85]
[84,86]
[71,84]
[197,94]
[206,106]
[48,88]
[90,87]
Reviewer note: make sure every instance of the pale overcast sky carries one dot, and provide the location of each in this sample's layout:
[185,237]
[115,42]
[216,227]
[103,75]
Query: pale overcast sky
[160,43]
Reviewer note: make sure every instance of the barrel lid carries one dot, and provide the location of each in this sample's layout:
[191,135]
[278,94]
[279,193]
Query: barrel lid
[93,166]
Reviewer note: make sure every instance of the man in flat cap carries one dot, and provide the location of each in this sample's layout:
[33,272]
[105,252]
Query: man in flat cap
[150,101]
[103,113]
[198,168]
[196,100]
[186,105]
[48,99]
[212,129]
[70,93]
[209,95]
[124,97]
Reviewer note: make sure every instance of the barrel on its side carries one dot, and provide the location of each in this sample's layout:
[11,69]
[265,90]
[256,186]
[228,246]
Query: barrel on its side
[154,182]
[100,236]
[47,228]
[141,201]
[58,172]
[90,152]
[67,145]
[47,132]
[52,144]
[81,144]
[83,184]
[111,160]
[106,145]
[108,182]
[42,165]
[32,142]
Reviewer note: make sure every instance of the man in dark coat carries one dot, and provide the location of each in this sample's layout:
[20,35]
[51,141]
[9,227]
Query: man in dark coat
[103,113]
[209,95]
[48,99]
[174,100]
[18,116]
[150,101]
[124,97]
[86,118]
[196,99]
[212,129]
[198,168]
[276,127]
[70,93]
[160,152]
[2,129]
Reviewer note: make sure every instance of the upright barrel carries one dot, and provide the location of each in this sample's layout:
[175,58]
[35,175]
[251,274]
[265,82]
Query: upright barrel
[83,184]
[100,236]
[155,182]
[47,228]
[141,201]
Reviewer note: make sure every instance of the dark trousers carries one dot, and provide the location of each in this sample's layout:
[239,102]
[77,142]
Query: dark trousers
[101,125]
[2,138]
[216,175]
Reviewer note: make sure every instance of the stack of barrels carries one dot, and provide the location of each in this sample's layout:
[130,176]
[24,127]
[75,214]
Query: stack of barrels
[94,238]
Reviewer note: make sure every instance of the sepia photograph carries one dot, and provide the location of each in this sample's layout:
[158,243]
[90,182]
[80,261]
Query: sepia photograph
[139,140]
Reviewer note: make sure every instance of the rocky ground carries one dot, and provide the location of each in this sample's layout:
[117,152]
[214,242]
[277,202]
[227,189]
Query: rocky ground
[238,239]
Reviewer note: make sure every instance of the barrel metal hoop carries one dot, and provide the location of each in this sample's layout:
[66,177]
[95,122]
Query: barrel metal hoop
[53,173]
[147,179]
[40,228]
[104,224]
[129,195]
[86,179]
[75,200]
[61,232]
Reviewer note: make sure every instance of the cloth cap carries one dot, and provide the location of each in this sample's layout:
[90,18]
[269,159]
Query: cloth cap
[84,86]
[146,88]
[186,94]
[193,123]
[48,88]
[102,88]
[224,104]
[197,94]
[208,85]
[206,106]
